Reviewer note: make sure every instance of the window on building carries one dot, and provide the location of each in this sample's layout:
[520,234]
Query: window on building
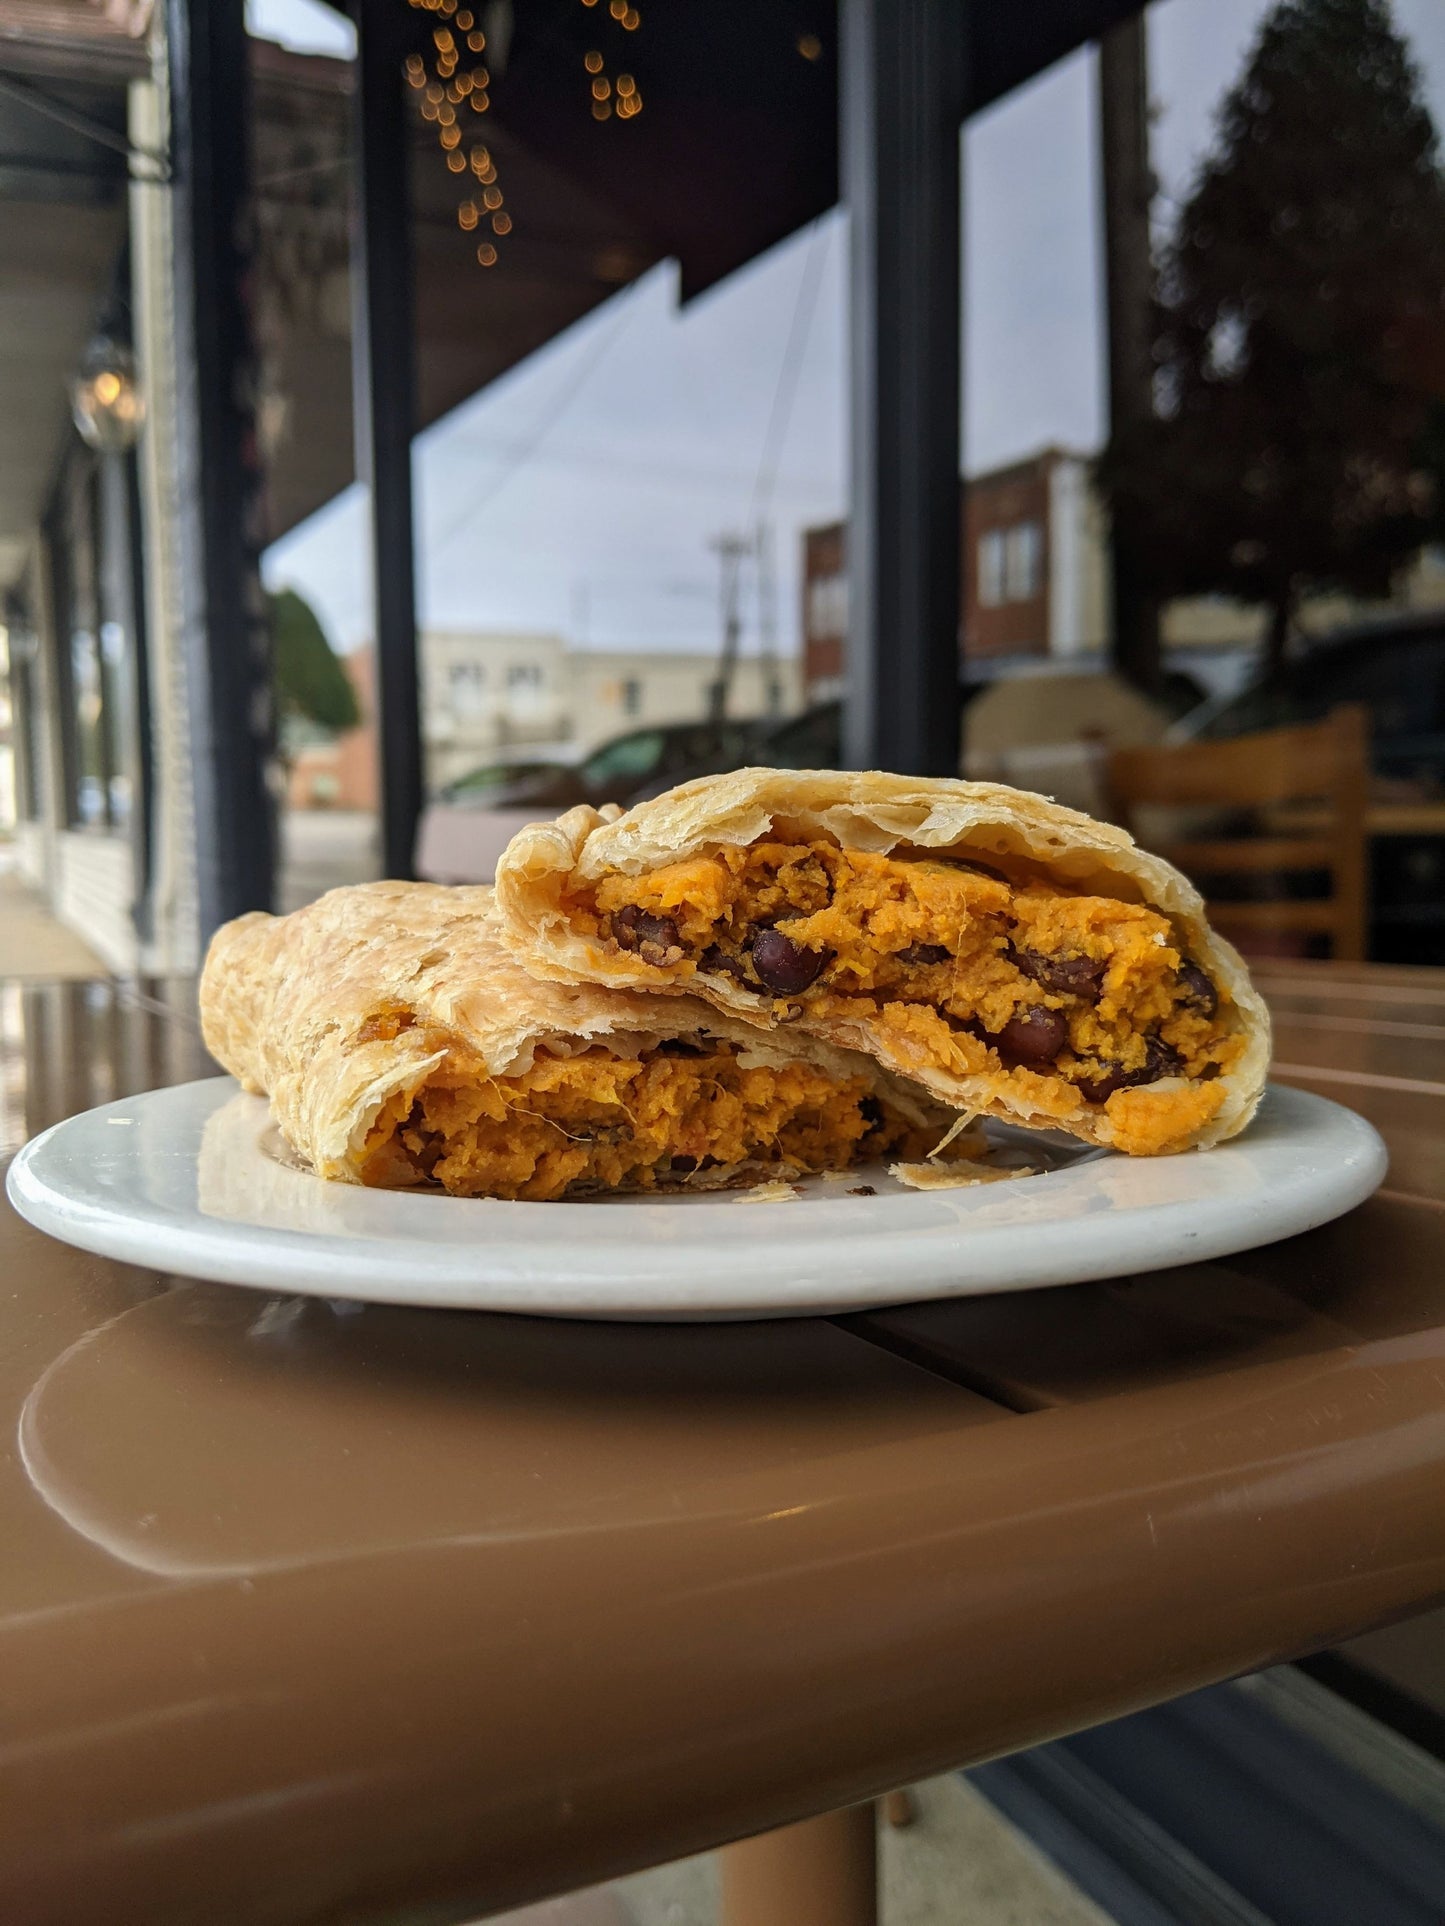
[991,548]
[1010,564]
[631,696]
[466,683]
[1023,562]
[828,605]
[22,648]
[524,675]
[95,623]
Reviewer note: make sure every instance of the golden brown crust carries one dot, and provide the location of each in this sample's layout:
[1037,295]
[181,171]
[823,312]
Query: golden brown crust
[369,991]
[870,810]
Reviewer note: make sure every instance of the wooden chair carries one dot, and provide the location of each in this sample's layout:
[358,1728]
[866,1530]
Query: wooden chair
[1323,766]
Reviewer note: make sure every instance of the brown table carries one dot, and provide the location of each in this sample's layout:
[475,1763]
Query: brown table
[324,1614]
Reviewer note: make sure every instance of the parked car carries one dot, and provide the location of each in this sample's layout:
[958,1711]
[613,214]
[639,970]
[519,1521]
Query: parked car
[617,772]
[1395,668]
[465,830]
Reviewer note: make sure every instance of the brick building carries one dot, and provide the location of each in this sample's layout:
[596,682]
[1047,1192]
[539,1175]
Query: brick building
[1033,570]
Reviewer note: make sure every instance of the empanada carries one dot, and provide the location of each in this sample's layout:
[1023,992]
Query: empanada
[1016,959]
[400,1043]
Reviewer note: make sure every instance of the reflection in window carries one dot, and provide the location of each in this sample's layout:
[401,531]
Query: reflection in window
[93,624]
[828,605]
[636,755]
[1023,556]
[991,548]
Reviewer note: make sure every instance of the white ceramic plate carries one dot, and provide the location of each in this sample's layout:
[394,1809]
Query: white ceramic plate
[194,1179]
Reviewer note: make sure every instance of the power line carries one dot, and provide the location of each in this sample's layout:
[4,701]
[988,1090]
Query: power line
[523,450]
[785,389]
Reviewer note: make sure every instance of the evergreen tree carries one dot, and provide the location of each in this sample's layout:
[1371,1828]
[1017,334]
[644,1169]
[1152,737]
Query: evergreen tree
[1300,336]
[311,684]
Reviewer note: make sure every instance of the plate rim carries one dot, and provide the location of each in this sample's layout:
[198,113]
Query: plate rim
[1067,1249]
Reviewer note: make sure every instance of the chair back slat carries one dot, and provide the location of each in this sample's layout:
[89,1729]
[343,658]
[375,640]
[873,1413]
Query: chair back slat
[1324,763]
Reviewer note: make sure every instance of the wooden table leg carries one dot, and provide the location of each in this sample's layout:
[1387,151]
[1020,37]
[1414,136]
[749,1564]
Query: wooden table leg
[899,1807]
[823,1872]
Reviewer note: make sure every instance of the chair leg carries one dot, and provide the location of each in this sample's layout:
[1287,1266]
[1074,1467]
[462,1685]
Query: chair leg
[823,1872]
[900,1808]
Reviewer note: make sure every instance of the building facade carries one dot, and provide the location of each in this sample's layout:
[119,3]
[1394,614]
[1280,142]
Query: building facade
[1036,585]
[497,696]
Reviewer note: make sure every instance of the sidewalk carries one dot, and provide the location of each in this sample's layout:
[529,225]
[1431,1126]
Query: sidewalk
[33,943]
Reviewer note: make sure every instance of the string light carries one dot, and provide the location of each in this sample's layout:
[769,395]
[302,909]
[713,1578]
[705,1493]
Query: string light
[448,84]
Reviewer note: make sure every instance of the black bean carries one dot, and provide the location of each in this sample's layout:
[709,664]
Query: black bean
[785,966]
[1065,975]
[1200,991]
[634,929]
[716,959]
[1160,1060]
[1034,1036]
[924,953]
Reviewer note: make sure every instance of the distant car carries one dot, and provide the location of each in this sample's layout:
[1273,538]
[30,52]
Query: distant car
[1395,668]
[466,828]
[644,761]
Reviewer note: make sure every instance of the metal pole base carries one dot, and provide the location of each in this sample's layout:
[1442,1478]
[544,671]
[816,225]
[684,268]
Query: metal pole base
[900,1808]
[823,1872]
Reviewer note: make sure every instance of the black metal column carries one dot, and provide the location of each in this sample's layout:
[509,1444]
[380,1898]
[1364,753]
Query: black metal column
[384,392]
[901,102]
[1128,190]
[221,610]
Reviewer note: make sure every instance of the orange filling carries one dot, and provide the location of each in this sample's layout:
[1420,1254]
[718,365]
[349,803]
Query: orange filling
[677,1115]
[1069,1000]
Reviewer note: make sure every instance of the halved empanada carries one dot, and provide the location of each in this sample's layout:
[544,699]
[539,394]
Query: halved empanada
[1014,958]
[400,1043]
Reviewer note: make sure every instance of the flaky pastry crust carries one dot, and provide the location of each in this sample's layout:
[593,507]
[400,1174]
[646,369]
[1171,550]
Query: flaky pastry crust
[305,1009]
[1037,839]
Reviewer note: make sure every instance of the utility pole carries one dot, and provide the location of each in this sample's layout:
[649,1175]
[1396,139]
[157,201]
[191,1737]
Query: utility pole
[731,550]
[768,620]
[1128,184]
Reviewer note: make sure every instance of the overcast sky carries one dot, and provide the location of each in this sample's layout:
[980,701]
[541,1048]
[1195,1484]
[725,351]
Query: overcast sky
[534,512]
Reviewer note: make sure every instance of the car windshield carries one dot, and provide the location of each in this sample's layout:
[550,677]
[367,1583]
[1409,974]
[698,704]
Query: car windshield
[809,741]
[495,775]
[630,756]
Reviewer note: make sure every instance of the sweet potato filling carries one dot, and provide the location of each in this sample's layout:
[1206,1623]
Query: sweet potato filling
[668,1117]
[1071,999]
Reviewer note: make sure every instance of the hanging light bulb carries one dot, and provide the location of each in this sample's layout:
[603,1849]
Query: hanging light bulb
[105,399]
